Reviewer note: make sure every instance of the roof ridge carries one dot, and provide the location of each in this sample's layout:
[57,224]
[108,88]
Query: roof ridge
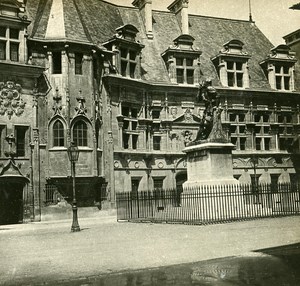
[38,16]
[221,18]
[85,29]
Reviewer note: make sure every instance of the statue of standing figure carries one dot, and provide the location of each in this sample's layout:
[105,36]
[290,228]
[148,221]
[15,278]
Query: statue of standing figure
[210,126]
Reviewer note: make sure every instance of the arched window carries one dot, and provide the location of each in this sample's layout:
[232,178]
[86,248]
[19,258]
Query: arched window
[80,133]
[58,134]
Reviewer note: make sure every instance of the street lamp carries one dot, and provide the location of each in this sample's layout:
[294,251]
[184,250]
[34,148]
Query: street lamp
[254,161]
[73,154]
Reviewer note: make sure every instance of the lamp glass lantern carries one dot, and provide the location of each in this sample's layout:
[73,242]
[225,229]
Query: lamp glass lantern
[73,152]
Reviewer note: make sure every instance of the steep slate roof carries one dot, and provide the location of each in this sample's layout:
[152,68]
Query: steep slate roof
[95,21]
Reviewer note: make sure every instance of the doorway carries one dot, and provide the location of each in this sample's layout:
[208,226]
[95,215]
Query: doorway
[11,203]
[180,179]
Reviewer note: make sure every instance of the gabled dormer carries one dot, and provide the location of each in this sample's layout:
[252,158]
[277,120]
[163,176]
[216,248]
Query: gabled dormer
[182,60]
[279,68]
[13,25]
[127,50]
[232,65]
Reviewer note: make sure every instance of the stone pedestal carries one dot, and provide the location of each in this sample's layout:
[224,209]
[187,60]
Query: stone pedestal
[209,164]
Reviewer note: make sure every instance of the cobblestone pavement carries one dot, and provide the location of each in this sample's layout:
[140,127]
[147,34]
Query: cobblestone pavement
[38,253]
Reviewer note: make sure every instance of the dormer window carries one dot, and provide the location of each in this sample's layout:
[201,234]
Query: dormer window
[232,65]
[182,61]
[9,44]
[185,70]
[127,51]
[128,59]
[279,68]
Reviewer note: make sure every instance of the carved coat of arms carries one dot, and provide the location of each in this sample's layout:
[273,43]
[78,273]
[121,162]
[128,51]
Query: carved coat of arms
[10,99]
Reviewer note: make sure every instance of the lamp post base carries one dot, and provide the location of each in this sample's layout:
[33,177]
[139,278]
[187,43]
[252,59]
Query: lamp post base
[75,226]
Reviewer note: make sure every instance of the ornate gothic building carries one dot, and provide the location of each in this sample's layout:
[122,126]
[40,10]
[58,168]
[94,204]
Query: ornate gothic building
[121,82]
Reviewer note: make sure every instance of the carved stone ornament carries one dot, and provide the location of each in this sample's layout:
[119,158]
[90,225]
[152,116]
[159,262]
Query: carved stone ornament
[10,99]
[188,116]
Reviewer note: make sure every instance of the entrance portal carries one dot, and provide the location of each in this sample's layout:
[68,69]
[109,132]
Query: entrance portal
[11,203]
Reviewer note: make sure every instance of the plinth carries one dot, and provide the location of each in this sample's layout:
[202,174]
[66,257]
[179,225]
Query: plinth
[209,164]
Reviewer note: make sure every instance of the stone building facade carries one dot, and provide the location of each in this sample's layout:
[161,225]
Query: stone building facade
[121,82]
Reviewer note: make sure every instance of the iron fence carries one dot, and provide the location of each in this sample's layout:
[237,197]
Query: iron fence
[209,204]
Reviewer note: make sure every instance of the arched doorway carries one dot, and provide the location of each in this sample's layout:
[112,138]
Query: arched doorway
[11,202]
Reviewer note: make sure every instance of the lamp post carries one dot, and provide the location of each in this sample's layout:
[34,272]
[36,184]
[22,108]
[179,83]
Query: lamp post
[73,154]
[254,161]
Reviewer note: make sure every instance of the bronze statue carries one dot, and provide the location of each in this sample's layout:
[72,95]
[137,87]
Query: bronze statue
[210,126]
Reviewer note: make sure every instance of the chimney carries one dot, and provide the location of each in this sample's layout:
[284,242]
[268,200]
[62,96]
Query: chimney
[180,9]
[145,7]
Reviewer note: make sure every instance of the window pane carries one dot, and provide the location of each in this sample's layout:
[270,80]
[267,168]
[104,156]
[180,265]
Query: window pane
[280,118]
[257,129]
[58,134]
[239,66]
[242,129]
[78,63]
[288,118]
[287,83]
[234,140]
[267,144]
[242,143]
[282,144]
[232,129]
[135,185]
[132,55]
[133,125]
[277,69]
[13,33]
[2,32]
[179,61]
[189,62]
[190,76]
[123,68]
[125,111]
[266,129]
[14,52]
[258,143]
[134,141]
[179,73]
[80,133]
[2,50]
[278,82]
[230,65]
[266,118]
[230,76]
[232,117]
[125,140]
[241,117]
[156,142]
[158,183]
[56,62]
[257,118]
[239,78]
[155,114]
[132,69]
[20,141]
[125,124]
[286,70]
[134,113]
[123,53]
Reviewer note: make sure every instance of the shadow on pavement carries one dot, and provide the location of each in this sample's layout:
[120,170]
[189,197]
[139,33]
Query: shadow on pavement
[268,267]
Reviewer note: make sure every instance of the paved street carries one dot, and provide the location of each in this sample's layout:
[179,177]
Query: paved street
[49,253]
